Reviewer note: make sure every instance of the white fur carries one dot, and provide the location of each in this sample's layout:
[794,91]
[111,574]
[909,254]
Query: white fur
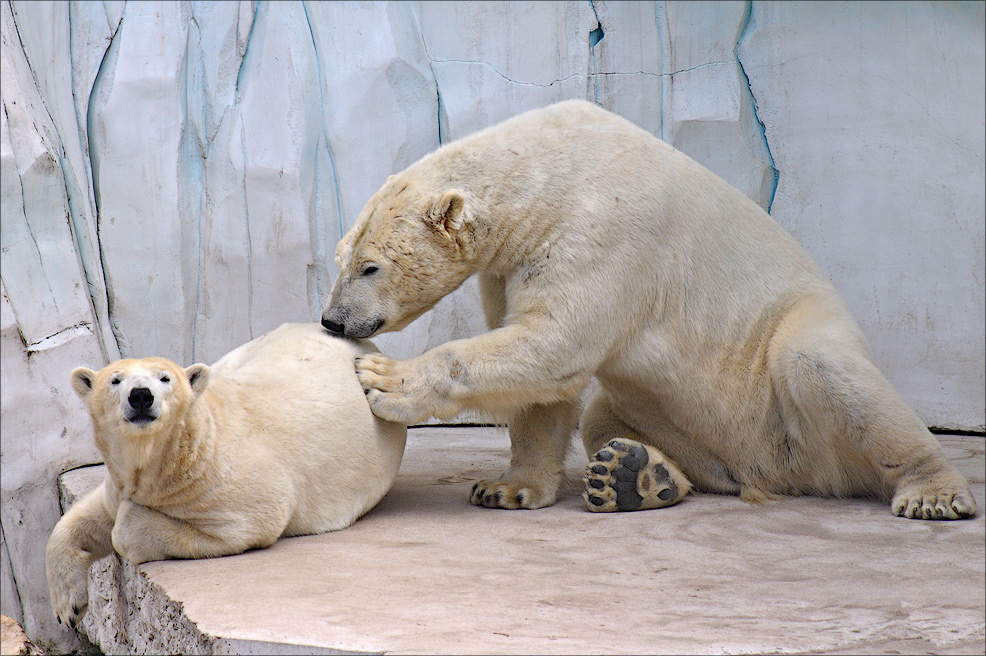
[274,439]
[603,251]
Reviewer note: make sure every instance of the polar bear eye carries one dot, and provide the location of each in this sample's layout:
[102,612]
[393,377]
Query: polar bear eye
[115,380]
[370,270]
[164,378]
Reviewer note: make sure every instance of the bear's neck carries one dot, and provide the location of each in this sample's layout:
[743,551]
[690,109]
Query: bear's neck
[150,471]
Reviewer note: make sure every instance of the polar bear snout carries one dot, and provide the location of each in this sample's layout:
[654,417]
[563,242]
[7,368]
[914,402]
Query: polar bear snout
[141,399]
[334,327]
[338,320]
[140,406]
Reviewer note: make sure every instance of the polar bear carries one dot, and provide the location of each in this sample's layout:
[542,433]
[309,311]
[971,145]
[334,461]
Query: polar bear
[275,439]
[726,361]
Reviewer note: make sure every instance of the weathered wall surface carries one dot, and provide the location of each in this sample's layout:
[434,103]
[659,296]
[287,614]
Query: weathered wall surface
[175,175]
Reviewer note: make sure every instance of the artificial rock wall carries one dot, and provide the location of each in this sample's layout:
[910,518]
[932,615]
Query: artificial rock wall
[175,175]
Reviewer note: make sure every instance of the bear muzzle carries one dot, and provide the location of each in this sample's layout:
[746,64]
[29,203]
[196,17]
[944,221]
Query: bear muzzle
[141,402]
[359,329]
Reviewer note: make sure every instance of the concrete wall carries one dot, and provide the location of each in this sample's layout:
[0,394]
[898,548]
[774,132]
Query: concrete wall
[175,175]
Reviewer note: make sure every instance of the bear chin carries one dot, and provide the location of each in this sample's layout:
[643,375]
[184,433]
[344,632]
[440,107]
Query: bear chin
[141,420]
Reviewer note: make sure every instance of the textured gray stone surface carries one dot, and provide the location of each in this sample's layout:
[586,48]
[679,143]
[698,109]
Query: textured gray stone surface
[425,572]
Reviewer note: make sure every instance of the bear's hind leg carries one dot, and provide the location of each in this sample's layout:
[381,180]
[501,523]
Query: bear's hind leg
[623,472]
[539,438]
[835,399]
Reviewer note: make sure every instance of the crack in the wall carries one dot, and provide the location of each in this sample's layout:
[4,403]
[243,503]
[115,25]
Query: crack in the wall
[110,53]
[192,165]
[62,156]
[316,230]
[248,256]
[70,182]
[576,75]
[59,338]
[442,115]
[662,29]
[742,33]
[319,248]
[246,49]
[595,36]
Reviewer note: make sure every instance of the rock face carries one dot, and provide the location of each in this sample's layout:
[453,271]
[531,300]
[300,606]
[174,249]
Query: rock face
[175,175]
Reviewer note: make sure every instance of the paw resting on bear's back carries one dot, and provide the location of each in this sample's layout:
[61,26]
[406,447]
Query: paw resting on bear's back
[408,391]
[388,385]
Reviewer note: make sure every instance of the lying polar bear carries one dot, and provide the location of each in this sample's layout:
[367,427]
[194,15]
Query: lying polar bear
[726,360]
[274,439]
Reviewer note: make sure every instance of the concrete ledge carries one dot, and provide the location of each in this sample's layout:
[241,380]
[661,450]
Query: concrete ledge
[425,572]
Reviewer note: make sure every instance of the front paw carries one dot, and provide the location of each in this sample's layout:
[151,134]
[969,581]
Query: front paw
[512,495]
[390,387]
[943,497]
[68,581]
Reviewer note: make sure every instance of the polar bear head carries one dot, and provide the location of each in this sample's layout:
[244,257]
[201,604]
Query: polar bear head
[412,244]
[132,396]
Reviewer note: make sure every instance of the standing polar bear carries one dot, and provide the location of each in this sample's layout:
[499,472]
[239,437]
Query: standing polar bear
[274,439]
[726,360]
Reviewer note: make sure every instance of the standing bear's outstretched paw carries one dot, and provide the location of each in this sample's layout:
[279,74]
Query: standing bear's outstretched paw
[628,475]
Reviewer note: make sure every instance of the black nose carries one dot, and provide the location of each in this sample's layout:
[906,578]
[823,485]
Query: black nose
[141,398]
[334,327]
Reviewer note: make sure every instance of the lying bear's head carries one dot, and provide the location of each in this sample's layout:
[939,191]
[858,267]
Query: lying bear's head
[135,395]
[410,246]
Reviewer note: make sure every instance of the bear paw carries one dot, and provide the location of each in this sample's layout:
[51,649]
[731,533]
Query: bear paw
[512,496]
[934,499]
[68,590]
[628,475]
[392,389]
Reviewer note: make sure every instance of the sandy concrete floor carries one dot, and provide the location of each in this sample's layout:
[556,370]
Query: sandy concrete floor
[425,572]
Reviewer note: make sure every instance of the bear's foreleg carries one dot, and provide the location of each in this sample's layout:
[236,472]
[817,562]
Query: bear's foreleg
[499,373]
[79,539]
[142,534]
[539,439]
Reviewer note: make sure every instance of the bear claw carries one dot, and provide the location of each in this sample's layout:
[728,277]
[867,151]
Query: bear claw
[502,494]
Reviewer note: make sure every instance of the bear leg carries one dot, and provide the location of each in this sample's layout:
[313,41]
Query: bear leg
[539,439]
[142,534]
[623,472]
[835,401]
[79,539]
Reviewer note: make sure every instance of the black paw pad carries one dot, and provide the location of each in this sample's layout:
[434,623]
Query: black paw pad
[663,477]
[626,474]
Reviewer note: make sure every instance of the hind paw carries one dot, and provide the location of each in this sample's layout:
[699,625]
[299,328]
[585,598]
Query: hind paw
[627,475]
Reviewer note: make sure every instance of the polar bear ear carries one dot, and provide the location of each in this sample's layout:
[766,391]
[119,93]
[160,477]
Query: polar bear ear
[82,381]
[198,377]
[447,214]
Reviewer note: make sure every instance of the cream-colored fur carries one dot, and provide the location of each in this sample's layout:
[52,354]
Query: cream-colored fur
[274,439]
[603,251]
